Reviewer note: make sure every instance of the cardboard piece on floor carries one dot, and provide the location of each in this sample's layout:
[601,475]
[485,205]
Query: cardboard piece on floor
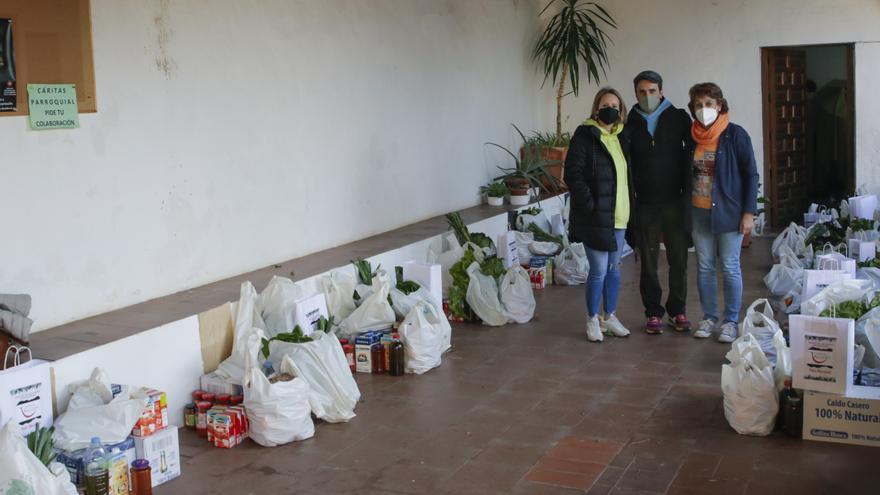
[216,333]
[832,418]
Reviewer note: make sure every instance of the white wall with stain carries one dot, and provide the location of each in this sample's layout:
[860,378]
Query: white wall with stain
[231,135]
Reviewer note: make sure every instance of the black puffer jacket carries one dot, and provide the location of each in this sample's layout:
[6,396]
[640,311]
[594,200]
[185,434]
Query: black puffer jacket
[661,164]
[592,179]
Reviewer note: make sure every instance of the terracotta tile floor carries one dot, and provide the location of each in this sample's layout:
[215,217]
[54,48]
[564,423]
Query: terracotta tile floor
[535,409]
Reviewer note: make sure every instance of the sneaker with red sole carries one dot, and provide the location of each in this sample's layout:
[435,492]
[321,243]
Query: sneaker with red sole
[654,325]
[680,323]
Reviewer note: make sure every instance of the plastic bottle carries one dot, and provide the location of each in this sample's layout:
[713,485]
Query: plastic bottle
[141,478]
[95,461]
[268,370]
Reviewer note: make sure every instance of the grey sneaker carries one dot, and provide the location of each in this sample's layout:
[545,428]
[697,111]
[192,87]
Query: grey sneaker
[594,331]
[728,332]
[704,329]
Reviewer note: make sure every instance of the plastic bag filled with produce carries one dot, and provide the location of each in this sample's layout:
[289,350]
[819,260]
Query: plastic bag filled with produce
[276,304]
[482,297]
[407,294]
[23,473]
[793,237]
[845,299]
[445,251]
[249,334]
[867,334]
[751,401]
[762,325]
[333,393]
[523,241]
[426,335]
[374,313]
[517,296]
[277,408]
[784,275]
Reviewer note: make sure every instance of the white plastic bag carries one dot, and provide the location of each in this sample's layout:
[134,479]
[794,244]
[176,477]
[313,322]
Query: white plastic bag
[763,326]
[784,275]
[278,412]
[276,305]
[870,273]
[782,368]
[571,266]
[793,236]
[22,473]
[94,412]
[333,393]
[517,296]
[445,251]
[338,287]
[847,290]
[867,334]
[482,297]
[374,313]
[425,335]
[543,248]
[249,335]
[523,220]
[404,303]
[523,241]
[750,397]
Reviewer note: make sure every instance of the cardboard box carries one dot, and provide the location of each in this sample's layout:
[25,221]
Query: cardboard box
[308,311]
[73,461]
[427,275]
[507,249]
[833,418]
[163,452]
[155,415]
[363,359]
[117,471]
[212,383]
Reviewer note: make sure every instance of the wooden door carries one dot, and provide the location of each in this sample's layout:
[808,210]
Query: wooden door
[785,165]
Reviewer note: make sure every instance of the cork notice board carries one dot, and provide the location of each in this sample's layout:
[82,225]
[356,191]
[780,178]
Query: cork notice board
[53,45]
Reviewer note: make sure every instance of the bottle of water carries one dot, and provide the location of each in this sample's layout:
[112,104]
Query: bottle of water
[95,462]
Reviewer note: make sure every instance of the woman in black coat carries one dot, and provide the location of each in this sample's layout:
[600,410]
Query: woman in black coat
[599,178]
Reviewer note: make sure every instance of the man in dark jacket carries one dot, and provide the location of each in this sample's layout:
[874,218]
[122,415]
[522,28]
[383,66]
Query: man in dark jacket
[659,136]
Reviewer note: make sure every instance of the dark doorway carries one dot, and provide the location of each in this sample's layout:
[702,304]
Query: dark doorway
[808,128]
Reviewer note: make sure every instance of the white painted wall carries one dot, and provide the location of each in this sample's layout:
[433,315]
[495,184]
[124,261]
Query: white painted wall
[231,135]
[690,41]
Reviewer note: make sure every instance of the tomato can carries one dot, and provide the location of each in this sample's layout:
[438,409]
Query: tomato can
[202,418]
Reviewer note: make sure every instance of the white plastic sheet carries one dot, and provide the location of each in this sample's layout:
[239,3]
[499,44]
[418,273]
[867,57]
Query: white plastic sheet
[426,335]
[793,236]
[543,248]
[278,412]
[276,305]
[333,393]
[338,287]
[517,296]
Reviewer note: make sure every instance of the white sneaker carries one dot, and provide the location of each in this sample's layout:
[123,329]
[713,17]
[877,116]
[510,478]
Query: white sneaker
[728,333]
[612,326]
[704,329]
[594,330]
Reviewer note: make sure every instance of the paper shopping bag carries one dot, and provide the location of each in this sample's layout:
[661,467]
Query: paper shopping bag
[816,280]
[822,353]
[26,396]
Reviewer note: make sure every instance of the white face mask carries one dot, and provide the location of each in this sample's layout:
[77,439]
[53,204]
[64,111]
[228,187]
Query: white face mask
[707,115]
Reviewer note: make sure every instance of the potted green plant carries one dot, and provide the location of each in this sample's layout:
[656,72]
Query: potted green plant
[529,172]
[573,37]
[551,147]
[495,192]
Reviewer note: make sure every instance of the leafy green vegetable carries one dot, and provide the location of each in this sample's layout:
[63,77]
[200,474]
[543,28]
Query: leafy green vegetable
[858,224]
[41,443]
[542,236]
[872,263]
[365,272]
[458,227]
[482,240]
[326,324]
[493,267]
[458,290]
[851,309]
[295,336]
[533,210]
[408,287]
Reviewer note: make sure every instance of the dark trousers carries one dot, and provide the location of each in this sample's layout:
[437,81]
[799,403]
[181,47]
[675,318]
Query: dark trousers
[668,219]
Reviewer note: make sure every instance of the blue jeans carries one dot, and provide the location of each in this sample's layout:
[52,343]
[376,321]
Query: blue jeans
[728,247]
[604,276]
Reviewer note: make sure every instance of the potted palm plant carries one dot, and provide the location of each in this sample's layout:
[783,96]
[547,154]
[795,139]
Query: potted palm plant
[495,192]
[529,172]
[574,37]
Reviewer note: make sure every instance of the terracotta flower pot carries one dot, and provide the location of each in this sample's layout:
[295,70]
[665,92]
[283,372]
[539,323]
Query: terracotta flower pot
[555,154]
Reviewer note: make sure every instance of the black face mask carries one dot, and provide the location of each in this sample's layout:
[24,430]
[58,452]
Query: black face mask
[608,115]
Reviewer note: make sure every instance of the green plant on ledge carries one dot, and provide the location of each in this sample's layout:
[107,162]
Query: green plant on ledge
[495,189]
[528,170]
[548,140]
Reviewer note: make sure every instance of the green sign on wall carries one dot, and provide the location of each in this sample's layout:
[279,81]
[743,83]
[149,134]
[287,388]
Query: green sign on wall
[52,106]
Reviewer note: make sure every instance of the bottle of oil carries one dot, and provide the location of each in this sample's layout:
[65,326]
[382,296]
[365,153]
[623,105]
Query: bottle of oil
[397,360]
[95,461]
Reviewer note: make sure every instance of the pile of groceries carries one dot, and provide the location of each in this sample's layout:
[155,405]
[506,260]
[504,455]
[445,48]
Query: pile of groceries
[221,418]
[807,360]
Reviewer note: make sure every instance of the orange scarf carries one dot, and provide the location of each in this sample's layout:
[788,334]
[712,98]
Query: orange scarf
[707,137]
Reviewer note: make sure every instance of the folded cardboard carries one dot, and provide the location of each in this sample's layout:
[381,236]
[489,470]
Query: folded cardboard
[213,383]
[833,418]
[308,311]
